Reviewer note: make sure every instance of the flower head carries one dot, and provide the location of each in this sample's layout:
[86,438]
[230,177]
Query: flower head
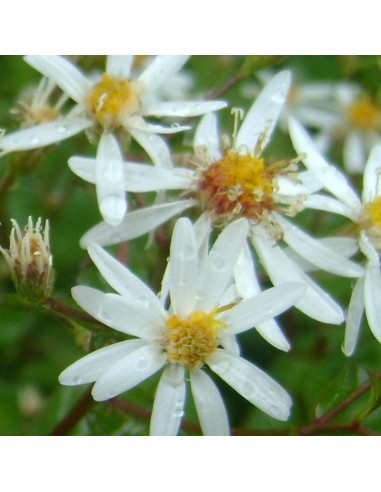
[113,105]
[197,330]
[30,260]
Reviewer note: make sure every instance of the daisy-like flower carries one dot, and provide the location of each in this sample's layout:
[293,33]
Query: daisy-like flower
[196,331]
[237,182]
[358,126]
[114,104]
[365,214]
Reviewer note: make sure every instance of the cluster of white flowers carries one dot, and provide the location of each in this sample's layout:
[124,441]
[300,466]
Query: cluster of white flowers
[242,209]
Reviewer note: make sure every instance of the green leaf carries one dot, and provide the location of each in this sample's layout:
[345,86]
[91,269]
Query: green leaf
[338,389]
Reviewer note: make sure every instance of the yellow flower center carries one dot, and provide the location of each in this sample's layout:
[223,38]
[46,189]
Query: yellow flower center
[111,99]
[370,222]
[364,114]
[191,341]
[239,185]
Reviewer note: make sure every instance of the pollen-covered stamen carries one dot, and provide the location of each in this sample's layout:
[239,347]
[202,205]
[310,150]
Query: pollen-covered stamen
[112,99]
[240,184]
[364,114]
[189,342]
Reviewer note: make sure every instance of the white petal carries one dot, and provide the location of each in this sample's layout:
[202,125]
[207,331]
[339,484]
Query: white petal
[92,366]
[262,117]
[168,407]
[129,372]
[307,182]
[329,204]
[119,65]
[137,123]
[134,224]
[245,276]
[262,307]
[354,154]
[372,175]
[64,74]
[183,268]
[142,178]
[209,405]
[252,383]
[317,253]
[109,177]
[332,179]
[372,295]
[369,250]
[161,69]
[44,134]
[217,269]
[155,146]
[207,136]
[273,334]
[315,302]
[122,280]
[354,317]
[183,108]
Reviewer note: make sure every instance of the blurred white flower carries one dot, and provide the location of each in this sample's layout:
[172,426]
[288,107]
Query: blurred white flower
[365,214]
[197,330]
[237,182]
[114,103]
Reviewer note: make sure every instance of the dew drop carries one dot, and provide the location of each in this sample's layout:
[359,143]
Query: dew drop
[278,98]
[142,363]
[77,380]
[184,282]
[219,263]
[187,253]
[143,301]
[248,389]
[104,315]
[179,404]
[178,413]
[34,140]
[222,367]
[62,129]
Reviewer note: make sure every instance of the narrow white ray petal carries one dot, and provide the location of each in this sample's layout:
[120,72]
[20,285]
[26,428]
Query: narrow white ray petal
[64,74]
[155,146]
[316,117]
[202,228]
[372,175]
[372,296]
[142,178]
[84,167]
[354,154]
[329,204]
[261,307]
[252,383]
[119,65]
[162,68]
[129,372]
[245,276]
[369,250]
[93,365]
[307,182]
[134,224]
[316,252]
[168,407]
[122,280]
[207,136]
[209,405]
[332,179]
[217,269]
[134,316]
[354,317]
[272,333]
[347,246]
[183,268]
[44,134]
[263,115]
[137,123]
[315,302]
[109,178]
[182,108]
[230,344]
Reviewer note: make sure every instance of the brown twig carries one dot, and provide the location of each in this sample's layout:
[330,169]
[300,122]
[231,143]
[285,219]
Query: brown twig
[74,416]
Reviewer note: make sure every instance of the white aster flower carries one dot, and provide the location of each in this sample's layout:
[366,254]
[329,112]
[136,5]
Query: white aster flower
[358,127]
[237,182]
[365,214]
[197,330]
[113,104]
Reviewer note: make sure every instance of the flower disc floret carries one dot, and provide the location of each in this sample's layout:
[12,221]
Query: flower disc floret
[364,114]
[238,184]
[189,342]
[111,99]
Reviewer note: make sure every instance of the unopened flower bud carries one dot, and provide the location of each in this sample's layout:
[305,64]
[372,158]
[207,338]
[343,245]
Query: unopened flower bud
[30,260]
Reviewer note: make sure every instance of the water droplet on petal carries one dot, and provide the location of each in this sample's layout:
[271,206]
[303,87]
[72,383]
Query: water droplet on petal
[142,363]
[187,253]
[248,389]
[279,98]
[178,413]
[34,140]
[62,129]
[179,403]
[77,380]
[143,301]
[219,263]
